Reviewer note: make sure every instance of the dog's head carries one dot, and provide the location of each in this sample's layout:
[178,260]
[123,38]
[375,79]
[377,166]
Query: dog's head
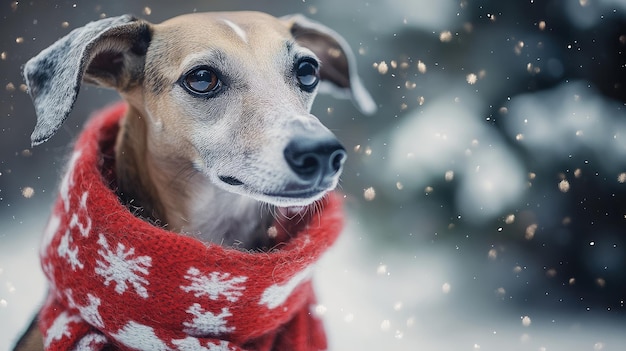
[229,93]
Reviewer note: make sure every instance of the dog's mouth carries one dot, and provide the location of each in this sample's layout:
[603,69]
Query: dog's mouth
[231,180]
[292,195]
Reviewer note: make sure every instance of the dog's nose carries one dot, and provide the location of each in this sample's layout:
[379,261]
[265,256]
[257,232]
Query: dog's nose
[315,159]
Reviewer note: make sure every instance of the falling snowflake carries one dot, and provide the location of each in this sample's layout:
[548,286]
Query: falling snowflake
[88,312]
[214,285]
[71,254]
[207,323]
[193,344]
[122,266]
[59,328]
[277,294]
[141,337]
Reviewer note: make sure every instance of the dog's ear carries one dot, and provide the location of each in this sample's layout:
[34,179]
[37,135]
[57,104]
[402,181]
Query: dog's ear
[109,52]
[338,71]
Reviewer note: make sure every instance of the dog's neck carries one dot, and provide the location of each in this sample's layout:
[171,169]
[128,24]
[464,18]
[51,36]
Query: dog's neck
[170,192]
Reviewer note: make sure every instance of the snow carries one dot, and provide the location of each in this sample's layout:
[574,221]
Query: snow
[408,306]
[374,296]
[568,119]
[448,137]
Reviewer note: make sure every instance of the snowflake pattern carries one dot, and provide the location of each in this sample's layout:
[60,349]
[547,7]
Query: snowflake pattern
[60,328]
[206,323]
[122,267]
[91,341]
[68,181]
[65,249]
[214,285]
[49,233]
[139,337]
[193,344]
[75,222]
[277,294]
[88,312]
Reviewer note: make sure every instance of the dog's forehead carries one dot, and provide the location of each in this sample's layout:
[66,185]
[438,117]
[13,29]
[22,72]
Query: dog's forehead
[231,30]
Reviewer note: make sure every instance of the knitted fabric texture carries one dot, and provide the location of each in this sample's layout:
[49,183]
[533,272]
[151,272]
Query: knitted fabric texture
[120,283]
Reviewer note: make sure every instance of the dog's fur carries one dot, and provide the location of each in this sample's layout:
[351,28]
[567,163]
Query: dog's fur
[216,167]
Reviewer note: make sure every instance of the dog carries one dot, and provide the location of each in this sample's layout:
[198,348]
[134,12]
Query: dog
[216,139]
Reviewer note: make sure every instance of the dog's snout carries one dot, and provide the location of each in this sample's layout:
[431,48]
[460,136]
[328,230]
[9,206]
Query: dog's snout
[315,159]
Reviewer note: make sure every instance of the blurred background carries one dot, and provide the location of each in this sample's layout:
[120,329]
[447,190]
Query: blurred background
[486,198]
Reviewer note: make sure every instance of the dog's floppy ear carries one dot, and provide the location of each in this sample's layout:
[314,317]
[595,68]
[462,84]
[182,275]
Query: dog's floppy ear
[109,52]
[338,70]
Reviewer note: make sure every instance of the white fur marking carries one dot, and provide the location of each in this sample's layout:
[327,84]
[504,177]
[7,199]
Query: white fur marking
[238,30]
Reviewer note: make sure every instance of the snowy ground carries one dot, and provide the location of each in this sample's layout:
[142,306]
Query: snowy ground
[22,285]
[410,303]
[370,299]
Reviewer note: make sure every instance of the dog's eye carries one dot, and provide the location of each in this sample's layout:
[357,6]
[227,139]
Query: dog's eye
[201,81]
[308,74]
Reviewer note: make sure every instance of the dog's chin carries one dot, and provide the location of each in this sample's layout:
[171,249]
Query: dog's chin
[289,202]
[290,199]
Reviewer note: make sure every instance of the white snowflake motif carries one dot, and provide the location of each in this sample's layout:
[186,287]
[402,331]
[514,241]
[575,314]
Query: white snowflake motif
[206,323]
[214,285]
[91,341]
[60,328]
[139,337]
[84,228]
[192,344]
[48,234]
[70,253]
[277,294]
[123,266]
[88,312]
[68,181]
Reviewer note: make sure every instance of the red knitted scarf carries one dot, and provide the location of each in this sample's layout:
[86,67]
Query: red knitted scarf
[120,283]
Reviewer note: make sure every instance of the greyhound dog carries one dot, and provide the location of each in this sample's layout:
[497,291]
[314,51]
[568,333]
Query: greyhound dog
[217,139]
